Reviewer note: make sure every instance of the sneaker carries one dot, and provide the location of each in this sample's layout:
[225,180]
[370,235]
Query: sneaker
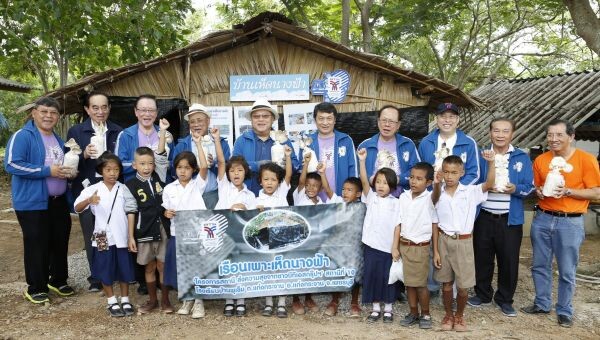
[425,322]
[409,320]
[459,324]
[565,321]
[95,287]
[534,309]
[148,307]
[508,310]
[115,310]
[36,298]
[127,308]
[64,290]
[198,310]
[447,323]
[475,301]
[186,307]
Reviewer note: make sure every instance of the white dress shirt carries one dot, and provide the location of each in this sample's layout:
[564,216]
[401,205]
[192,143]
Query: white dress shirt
[277,199]
[417,216]
[456,214]
[300,198]
[382,217]
[230,195]
[178,197]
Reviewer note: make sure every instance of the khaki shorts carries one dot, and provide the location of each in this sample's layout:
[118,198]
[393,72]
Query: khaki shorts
[415,263]
[155,250]
[458,263]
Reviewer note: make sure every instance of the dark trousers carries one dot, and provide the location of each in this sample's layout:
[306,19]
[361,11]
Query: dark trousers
[86,219]
[494,238]
[45,245]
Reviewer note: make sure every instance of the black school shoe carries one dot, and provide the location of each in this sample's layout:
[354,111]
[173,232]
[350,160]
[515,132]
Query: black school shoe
[115,310]
[373,317]
[229,310]
[565,321]
[127,308]
[240,310]
[388,317]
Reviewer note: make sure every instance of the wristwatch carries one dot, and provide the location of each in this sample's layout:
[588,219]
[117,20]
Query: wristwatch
[568,192]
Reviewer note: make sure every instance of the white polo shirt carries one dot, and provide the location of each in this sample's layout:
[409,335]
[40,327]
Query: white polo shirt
[300,198]
[177,197]
[456,214]
[117,230]
[417,216]
[382,217]
[230,195]
[277,199]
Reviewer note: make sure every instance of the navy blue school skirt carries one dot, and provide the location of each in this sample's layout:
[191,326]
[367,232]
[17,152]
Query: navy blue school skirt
[170,271]
[376,275]
[112,265]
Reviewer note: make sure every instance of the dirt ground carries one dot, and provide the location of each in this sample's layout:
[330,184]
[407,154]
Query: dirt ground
[84,316]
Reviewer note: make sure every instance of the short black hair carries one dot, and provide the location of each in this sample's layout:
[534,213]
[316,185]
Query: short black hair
[105,158]
[144,151]
[315,176]
[47,101]
[504,119]
[188,156]
[241,161]
[354,181]
[390,177]
[145,96]
[425,167]
[390,107]
[86,101]
[324,107]
[453,159]
[570,129]
[274,168]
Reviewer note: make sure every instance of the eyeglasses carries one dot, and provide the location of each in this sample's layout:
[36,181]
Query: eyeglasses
[47,112]
[388,121]
[265,116]
[100,108]
[146,110]
[198,121]
[326,119]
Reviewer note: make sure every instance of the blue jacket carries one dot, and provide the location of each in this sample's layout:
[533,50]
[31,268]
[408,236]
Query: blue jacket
[245,146]
[185,144]
[520,173]
[24,158]
[345,157]
[82,133]
[465,148]
[406,153]
[127,143]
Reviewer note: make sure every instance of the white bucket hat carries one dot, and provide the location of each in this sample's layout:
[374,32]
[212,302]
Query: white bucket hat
[196,108]
[262,104]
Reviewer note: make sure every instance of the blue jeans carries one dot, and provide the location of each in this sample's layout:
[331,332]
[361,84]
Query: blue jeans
[560,236]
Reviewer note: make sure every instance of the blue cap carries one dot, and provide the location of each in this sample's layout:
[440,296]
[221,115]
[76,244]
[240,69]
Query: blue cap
[443,107]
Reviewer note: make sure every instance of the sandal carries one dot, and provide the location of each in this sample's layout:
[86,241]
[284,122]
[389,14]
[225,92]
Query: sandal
[229,310]
[331,309]
[388,317]
[240,310]
[373,317]
[282,312]
[355,310]
[115,310]
[267,311]
[127,308]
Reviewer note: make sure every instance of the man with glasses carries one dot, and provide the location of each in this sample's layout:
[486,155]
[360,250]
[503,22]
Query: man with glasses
[390,149]
[198,119]
[34,157]
[255,145]
[97,107]
[143,133]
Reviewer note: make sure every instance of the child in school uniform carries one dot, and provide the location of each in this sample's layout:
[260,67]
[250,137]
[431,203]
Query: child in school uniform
[412,238]
[234,195]
[148,236]
[456,207]
[185,193]
[275,185]
[351,193]
[383,210]
[109,201]
[307,193]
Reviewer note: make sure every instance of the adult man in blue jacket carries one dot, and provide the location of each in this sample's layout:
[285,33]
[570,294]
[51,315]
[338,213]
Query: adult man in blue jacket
[255,145]
[34,157]
[143,133]
[198,119]
[499,226]
[97,106]
[390,149]
[334,148]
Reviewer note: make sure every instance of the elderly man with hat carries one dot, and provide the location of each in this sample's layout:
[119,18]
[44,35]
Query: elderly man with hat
[255,145]
[198,119]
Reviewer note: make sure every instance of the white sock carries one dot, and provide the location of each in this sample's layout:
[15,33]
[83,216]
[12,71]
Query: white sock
[229,301]
[387,307]
[124,299]
[281,301]
[269,301]
[112,300]
[376,307]
[241,301]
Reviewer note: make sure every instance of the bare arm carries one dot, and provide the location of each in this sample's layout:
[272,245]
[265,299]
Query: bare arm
[131,227]
[362,159]
[434,238]
[302,180]
[202,164]
[488,155]
[396,243]
[437,186]
[92,200]
[288,164]
[162,135]
[220,158]
[322,169]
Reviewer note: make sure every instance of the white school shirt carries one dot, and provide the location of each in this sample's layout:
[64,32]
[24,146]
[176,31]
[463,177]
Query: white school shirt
[117,230]
[277,199]
[177,197]
[300,198]
[456,214]
[382,217]
[417,215]
[338,199]
[230,195]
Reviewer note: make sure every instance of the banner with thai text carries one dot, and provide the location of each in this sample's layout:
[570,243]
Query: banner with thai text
[278,251]
[249,88]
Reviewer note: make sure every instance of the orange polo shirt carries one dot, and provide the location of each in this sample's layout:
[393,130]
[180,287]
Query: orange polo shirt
[585,175]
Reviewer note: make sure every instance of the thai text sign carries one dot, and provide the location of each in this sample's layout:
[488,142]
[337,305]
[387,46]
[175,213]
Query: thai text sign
[271,87]
[290,250]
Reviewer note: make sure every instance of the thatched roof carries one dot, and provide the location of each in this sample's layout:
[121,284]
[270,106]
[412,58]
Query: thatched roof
[263,26]
[9,85]
[533,102]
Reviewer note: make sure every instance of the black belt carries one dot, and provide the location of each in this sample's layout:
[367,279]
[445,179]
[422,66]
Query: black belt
[492,214]
[558,213]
